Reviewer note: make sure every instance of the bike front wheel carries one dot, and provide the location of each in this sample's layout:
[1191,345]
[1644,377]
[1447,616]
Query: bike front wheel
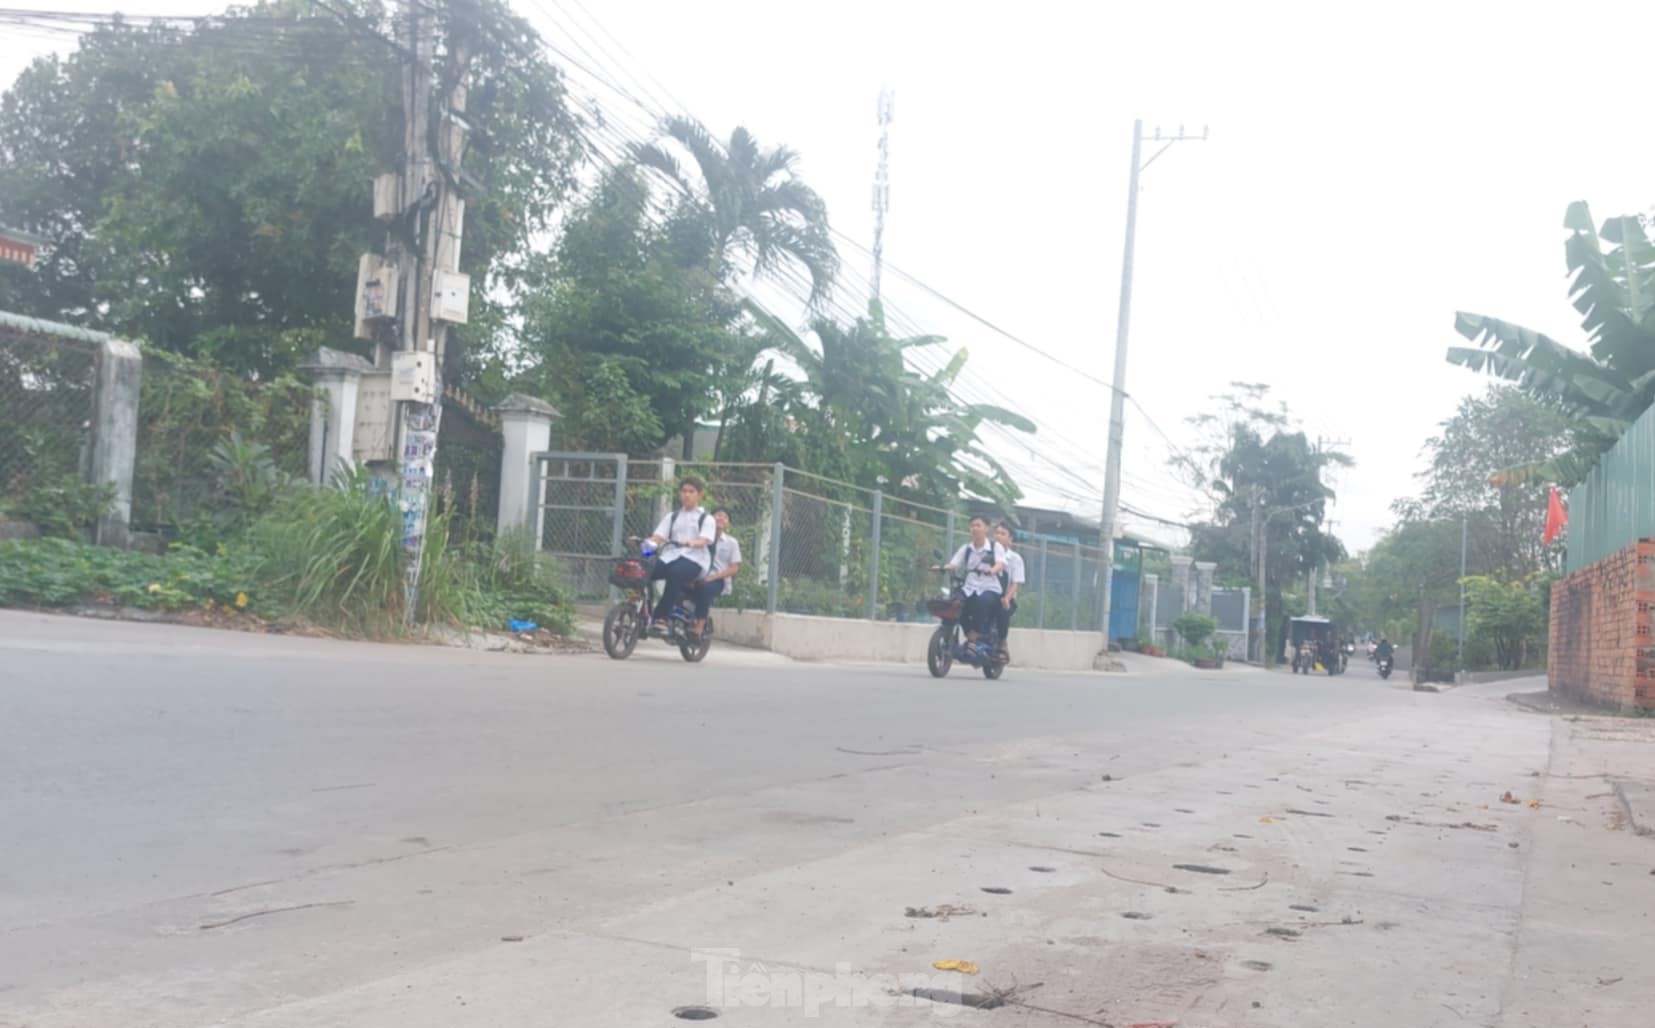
[939,655]
[620,630]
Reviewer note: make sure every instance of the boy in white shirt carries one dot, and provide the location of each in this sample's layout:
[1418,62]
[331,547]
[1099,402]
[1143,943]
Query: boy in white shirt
[726,562]
[1011,580]
[983,560]
[683,536]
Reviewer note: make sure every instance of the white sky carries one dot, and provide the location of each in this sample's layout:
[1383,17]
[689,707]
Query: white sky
[1371,169]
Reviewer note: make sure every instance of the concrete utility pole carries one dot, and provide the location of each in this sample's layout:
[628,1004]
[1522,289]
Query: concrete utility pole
[1465,537]
[882,186]
[424,244]
[1117,399]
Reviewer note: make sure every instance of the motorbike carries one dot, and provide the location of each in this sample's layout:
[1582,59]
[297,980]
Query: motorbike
[1384,664]
[629,620]
[1304,659]
[948,641]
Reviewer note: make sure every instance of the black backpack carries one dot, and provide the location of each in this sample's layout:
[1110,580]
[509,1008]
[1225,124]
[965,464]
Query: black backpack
[674,520]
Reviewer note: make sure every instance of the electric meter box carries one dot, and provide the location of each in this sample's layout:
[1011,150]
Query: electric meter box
[376,293]
[413,377]
[451,297]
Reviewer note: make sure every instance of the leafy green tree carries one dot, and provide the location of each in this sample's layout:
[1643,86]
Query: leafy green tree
[209,189]
[1608,385]
[629,343]
[1468,475]
[1253,461]
[1508,616]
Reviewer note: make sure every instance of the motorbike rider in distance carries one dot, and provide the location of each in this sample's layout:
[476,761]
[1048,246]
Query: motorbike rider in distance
[982,559]
[1384,650]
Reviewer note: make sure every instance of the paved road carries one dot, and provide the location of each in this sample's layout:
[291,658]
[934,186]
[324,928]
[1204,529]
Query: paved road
[208,828]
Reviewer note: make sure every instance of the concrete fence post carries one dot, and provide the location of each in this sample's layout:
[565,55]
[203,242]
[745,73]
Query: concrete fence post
[337,376]
[873,556]
[115,434]
[778,499]
[525,430]
[1040,612]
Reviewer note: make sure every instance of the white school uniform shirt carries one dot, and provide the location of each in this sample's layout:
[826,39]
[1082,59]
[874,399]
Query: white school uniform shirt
[1014,567]
[978,578]
[726,551]
[683,526]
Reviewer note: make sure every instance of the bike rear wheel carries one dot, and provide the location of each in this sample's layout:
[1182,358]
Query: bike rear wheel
[620,630]
[695,650]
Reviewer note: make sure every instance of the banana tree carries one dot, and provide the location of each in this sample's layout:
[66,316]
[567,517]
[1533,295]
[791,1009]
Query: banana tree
[1611,382]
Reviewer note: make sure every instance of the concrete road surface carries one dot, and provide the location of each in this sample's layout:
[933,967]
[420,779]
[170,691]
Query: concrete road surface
[202,828]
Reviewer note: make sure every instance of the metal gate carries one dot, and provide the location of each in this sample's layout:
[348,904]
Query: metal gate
[577,505]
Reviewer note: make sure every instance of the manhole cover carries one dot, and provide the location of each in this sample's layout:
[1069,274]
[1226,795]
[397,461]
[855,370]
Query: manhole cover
[695,1013]
[997,890]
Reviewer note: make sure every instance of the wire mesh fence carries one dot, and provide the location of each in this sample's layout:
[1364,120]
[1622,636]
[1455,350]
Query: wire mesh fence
[199,427]
[810,545]
[47,389]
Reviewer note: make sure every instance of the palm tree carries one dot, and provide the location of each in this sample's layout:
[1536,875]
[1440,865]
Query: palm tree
[1612,382]
[899,428]
[750,208]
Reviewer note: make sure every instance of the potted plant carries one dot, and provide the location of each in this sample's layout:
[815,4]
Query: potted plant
[1147,647]
[1195,629]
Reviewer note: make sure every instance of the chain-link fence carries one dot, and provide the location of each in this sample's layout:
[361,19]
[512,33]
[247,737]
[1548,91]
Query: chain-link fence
[199,427]
[816,538]
[47,387]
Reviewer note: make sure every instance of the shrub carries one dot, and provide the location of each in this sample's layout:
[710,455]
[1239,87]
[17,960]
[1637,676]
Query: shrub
[1195,628]
[61,572]
[64,507]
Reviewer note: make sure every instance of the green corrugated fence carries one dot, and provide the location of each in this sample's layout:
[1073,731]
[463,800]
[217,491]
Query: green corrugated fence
[1615,506]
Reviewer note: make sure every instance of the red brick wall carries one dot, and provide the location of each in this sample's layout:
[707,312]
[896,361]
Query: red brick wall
[1603,630]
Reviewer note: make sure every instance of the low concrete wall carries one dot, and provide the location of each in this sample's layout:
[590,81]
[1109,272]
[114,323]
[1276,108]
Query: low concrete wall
[817,638]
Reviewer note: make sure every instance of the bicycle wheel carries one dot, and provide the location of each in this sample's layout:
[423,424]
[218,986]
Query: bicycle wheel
[620,630]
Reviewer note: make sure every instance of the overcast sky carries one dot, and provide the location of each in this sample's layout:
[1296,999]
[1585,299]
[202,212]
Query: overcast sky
[1371,169]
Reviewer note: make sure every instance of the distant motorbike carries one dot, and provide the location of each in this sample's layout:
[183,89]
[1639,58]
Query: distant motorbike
[1384,664]
[947,642]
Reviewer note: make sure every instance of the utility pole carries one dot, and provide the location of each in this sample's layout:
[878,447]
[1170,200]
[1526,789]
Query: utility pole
[1465,535]
[425,247]
[882,185]
[1259,619]
[1117,399]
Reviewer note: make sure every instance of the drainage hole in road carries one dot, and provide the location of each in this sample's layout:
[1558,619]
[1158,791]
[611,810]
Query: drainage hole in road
[1149,824]
[695,1013]
[1201,869]
[1357,849]
[1182,810]
[975,1000]
[1110,835]
[1305,908]
[1042,869]
[1258,965]
[1137,915]
[997,890]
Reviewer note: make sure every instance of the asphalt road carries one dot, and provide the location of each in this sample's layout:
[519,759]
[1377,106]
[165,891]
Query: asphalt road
[202,828]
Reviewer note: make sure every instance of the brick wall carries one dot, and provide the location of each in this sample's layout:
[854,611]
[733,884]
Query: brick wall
[1603,630]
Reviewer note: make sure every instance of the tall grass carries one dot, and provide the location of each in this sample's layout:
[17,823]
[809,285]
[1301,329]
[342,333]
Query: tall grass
[334,557]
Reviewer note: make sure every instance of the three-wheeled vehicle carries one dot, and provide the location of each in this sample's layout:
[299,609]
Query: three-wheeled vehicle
[1313,642]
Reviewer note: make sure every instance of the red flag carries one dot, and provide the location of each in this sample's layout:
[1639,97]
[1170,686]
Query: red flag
[1556,517]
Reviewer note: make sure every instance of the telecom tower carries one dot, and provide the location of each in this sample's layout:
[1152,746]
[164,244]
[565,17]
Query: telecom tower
[881,187]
